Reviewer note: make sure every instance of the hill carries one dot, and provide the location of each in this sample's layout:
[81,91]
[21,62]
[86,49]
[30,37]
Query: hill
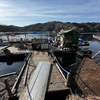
[54,26]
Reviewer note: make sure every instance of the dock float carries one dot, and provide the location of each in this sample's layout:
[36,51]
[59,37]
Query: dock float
[38,80]
[88,78]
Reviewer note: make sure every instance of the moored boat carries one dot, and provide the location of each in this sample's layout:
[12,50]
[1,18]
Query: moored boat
[96,37]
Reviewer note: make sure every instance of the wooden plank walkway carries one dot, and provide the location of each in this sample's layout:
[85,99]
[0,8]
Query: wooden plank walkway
[56,83]
[57,90]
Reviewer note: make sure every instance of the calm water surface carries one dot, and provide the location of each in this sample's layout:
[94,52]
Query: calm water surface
[94,44]
[14,67]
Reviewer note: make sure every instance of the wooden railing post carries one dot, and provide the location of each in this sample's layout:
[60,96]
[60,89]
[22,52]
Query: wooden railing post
[7,87]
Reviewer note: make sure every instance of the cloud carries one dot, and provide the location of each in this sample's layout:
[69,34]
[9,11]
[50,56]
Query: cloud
[12,11]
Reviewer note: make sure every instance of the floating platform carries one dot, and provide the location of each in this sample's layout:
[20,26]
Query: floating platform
[56,84]
[88,78]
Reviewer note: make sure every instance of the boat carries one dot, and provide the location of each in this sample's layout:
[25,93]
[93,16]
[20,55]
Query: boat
[96,37]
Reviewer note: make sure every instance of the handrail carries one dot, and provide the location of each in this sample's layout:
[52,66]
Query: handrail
[57,61]
[59,64]
[19,76]
[26,73]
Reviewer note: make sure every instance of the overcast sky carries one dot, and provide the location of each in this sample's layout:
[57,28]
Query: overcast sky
[26,12]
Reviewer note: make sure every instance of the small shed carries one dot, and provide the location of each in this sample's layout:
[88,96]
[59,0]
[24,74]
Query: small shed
[70,37]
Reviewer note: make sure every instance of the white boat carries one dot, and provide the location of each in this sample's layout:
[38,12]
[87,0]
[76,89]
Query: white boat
[96,37]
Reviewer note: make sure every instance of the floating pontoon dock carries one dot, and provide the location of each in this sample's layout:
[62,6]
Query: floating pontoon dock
[54,82]
[88,78]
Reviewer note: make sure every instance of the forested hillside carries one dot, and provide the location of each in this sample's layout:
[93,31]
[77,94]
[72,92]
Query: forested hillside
[53,26]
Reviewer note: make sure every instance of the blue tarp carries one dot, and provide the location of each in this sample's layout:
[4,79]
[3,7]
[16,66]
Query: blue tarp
[34,32]
[80,40]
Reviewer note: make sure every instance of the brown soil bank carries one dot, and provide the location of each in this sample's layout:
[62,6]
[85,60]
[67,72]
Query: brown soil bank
[88,77]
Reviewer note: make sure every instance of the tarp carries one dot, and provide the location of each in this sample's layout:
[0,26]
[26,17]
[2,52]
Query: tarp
[74,35]
[80,40]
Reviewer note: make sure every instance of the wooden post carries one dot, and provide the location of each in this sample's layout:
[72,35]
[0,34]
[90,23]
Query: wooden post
[67,78]
[8,87]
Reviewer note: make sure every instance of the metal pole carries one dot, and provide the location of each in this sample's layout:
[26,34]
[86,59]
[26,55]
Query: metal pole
[6,75]
[26,74]
[96,54]
[61,73]
[8,37]
[67,79]
[25,36]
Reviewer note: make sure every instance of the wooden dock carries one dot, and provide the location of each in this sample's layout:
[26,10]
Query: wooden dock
[56,84]
[56,88]
[88,77]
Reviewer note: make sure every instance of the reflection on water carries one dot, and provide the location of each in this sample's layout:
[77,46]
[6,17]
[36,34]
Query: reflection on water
[14,67]
[94,44]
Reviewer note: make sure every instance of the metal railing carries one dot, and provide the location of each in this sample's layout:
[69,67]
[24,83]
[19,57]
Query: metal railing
[5,77]
[20,74]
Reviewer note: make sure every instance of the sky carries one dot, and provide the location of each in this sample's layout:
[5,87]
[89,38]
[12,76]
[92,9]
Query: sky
[26,12]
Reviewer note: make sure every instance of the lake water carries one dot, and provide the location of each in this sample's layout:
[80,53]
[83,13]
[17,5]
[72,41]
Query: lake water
[14,67]
[94,44]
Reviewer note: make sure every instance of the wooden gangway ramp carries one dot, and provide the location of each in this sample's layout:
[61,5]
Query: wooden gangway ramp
[55,88]
[88,78]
